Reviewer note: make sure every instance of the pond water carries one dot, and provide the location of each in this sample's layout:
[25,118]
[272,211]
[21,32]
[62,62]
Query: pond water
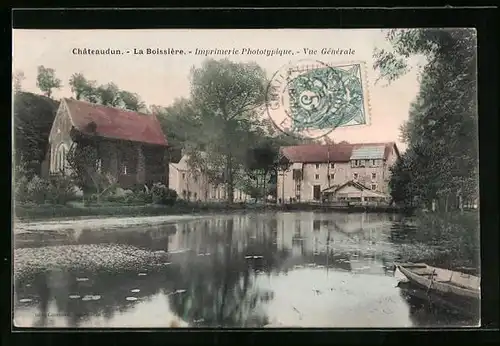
[279,270]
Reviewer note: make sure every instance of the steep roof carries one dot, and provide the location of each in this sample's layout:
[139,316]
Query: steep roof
[115,123]
[341,152]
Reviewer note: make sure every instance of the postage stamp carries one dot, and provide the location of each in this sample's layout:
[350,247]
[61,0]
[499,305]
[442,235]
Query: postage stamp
[310,98]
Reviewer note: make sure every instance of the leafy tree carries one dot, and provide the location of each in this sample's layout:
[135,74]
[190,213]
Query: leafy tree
[83,88]
[46,80]
[180,124]
[442,128]
[17,80]
[131,101]
[84,163]
[109,95]
[33,118]
[226,96]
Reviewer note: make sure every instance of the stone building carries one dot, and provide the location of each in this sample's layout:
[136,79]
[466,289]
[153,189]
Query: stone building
[318,168]
[191,184]
[130,147]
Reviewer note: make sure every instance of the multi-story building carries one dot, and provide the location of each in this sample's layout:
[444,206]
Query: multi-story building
[348,171]
[191,184]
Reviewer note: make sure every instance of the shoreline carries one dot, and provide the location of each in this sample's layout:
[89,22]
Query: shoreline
[25,214]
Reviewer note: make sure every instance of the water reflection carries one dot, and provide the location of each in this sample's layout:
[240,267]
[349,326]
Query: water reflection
[275,270]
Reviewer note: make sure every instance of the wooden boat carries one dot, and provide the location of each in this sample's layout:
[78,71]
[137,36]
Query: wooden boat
[416,296]
[447,283]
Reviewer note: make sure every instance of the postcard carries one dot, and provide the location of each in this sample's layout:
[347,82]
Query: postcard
[287,178]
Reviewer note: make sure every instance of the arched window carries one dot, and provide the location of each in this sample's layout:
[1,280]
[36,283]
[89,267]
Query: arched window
[60,159]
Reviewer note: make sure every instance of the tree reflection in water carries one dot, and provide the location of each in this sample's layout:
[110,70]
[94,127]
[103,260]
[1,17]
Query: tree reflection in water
[220,290]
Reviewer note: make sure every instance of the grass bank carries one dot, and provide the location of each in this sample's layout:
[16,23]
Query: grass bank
[449,240]
[44,212]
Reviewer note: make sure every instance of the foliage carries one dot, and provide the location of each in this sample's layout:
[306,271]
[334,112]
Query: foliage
[33,118]
[46,80]
[163,195]
[226,96]
[61,190]
[131,101]
[83,89]
[17,80]
[441,132]
[56,190]
[180,125]
[84,161]
[108,94]
[449,240]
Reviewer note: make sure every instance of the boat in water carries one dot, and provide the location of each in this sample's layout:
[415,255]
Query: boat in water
[444,286]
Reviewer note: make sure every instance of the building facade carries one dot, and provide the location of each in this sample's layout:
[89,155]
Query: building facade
[316,168]
[190,184]
[130,147]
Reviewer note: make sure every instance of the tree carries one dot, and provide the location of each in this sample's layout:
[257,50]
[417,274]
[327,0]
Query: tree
[109,95]
[226,95]
[18,79]
[180,125]
[33,118]
[84,163]
[83,88]
[131,101]
[46,80]
[442,128]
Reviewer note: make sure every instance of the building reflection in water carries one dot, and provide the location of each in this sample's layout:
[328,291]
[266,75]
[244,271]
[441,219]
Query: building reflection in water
[218,272]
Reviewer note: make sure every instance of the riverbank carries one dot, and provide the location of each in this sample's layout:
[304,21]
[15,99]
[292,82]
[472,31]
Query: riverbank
[49,212]
[78,210]
[448,240]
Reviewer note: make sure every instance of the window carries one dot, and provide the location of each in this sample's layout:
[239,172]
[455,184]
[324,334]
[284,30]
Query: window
[317,165]
[125,169]
[374,186]
[332,176]
[374,176]
[316,176]
[60,158]
[196,195]
[316,225]
[355,176]
[332,165]
[184,193]
[183,175]
[374,162]
[189,194]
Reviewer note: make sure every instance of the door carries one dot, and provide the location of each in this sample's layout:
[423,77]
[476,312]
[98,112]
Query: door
[316,192]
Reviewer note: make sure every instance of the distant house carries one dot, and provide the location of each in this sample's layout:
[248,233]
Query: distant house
[191,184]
[317,168]
[353,191]
[130,146]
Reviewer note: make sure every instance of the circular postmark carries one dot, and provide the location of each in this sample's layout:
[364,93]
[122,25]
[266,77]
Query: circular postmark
[309,99]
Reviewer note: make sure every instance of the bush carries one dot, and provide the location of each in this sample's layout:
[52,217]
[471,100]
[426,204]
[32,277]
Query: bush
[56,190]
[38,190]
[61,190]
[160,194]
[21,189]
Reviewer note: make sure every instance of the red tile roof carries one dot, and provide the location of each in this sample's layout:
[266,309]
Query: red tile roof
[115,123]
[320,153]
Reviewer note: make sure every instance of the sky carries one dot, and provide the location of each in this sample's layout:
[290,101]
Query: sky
[160,79]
